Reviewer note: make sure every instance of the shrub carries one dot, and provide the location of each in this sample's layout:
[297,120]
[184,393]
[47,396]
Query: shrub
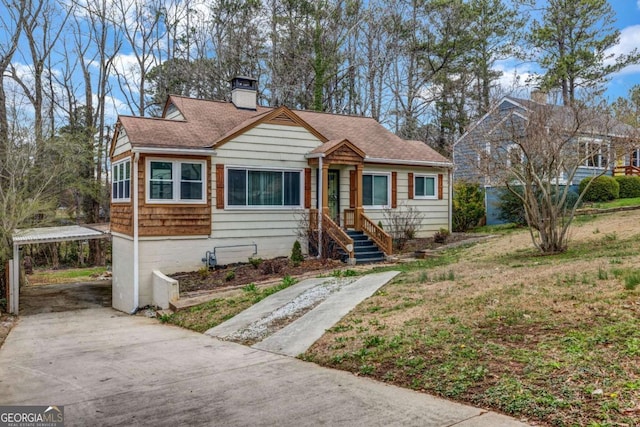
[629,186]
[603,188]
[468,206]
[255,262]
[296,254]
[512,208]
[441,235]
[403,223]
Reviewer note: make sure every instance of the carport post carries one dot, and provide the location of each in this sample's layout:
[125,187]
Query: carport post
[14,286]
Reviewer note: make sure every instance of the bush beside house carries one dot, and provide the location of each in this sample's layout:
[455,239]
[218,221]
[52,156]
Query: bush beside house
[603,188]
[468,206]
[629,186]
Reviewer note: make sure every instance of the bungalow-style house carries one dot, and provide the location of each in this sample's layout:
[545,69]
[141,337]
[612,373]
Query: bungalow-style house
[493,134]
[220,182]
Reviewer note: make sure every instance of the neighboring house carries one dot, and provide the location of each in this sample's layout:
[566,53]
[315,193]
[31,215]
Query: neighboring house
[488,133]
[239,179]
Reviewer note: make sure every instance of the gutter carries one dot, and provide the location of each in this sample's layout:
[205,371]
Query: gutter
[174,151]
[447,165]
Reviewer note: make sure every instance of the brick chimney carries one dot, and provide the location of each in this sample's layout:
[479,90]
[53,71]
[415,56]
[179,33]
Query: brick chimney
[539,96]
[244,92]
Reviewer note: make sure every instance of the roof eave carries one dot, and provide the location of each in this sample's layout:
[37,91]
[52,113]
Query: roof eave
[174,151]
[448,165]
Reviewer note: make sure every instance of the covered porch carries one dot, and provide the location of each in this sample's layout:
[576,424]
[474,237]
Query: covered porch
[333,162]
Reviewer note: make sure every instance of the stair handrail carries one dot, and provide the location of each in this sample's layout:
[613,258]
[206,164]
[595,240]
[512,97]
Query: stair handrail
[626,170]
[377,234]
[338,235]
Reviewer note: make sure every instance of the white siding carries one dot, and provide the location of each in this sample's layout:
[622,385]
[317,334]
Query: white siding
[275,229]
[122,143]
[173,113]
[435,212]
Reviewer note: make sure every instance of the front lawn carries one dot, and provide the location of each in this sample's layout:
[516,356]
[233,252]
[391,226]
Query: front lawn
[618,203]
[552,339]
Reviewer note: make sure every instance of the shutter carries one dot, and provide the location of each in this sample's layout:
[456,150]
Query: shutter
[352,189]
[410,185]
[440,185]
[307,188]
[394,189]
[219,186]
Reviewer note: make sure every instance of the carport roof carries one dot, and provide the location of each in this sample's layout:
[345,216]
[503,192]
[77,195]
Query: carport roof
[60,234]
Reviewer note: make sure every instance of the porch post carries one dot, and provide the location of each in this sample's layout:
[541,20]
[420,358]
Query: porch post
[358,209]
[14,287]
[325,189]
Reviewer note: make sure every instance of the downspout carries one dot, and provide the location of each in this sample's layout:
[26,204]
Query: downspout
[136,249]
[14,307]
[450,201]
[320,189]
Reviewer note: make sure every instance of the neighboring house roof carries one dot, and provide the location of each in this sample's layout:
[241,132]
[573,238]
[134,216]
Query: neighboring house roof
[208,124]
[593,122]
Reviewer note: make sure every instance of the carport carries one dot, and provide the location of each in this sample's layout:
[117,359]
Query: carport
[29,236]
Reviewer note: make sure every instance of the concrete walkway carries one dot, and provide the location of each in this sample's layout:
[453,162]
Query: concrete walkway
[298,336]
[111,369]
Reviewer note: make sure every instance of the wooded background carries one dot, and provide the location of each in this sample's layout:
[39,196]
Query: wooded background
[424,68]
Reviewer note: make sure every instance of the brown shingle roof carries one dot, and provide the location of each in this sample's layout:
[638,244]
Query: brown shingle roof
[207,122]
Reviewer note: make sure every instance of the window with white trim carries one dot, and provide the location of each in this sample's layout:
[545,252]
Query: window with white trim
[425,186]
[259,187]
[121,181]
[376,190]
[593,154]
[176,181]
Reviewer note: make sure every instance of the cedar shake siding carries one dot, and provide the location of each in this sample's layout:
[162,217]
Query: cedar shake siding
[172,219]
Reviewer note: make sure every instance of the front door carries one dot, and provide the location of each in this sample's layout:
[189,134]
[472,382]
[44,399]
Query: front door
[334,195]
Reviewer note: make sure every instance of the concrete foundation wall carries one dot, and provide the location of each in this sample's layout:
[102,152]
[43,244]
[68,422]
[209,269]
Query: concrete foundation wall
[170,255]
[122,282]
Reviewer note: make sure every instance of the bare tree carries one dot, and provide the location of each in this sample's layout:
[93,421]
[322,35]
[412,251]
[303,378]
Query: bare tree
[11,25]
[43,25]
[537,155]
[140,24]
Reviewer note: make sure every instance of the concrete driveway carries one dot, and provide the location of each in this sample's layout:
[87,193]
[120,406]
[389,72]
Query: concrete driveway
[109,368]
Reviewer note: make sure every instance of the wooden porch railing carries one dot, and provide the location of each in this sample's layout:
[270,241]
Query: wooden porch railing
[337,234]
[377,234]
[626,170]
[332,229]
[349,218]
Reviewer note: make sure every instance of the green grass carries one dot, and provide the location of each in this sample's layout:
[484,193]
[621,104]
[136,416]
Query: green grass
[554,343]
[618,203]
[205,316]
[66,275]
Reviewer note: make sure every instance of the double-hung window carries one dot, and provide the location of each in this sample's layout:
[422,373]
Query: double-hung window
[176,181]
[249,187]
[375,190]
[425,187]
[593,154]
[121,181]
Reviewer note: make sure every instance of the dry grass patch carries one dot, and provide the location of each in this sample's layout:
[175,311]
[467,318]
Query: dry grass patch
[551,339]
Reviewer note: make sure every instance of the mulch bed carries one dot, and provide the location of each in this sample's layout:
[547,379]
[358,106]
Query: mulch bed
[239,274]
[234,275]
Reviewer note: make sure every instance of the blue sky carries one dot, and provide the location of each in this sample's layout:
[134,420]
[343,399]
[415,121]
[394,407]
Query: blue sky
[628,21]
